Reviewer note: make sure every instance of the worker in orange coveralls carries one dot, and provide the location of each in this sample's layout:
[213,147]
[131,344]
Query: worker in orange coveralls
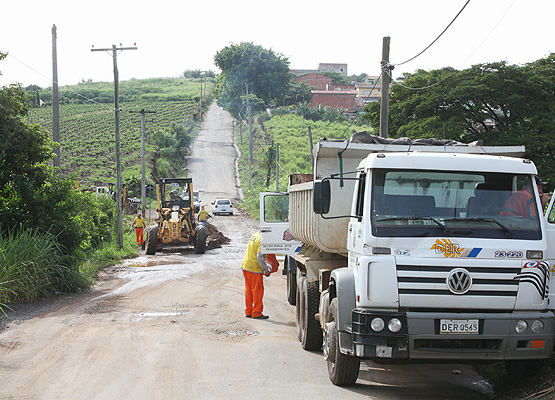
[139,224]
[522,203]
[254,265]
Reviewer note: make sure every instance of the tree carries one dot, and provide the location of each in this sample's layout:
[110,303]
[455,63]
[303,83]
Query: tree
[336,77]
[497,103]
[266,73]
[32,194]
[299,92]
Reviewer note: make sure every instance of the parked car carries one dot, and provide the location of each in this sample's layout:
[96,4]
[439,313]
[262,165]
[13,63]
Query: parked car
[222,206]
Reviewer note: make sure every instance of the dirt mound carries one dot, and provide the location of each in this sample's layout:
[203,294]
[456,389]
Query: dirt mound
[215,239]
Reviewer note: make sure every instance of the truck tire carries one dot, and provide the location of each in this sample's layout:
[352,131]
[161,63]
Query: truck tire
[311,338]
[299,307]
[200,240]
[291,274]
[151,239]
[342,369]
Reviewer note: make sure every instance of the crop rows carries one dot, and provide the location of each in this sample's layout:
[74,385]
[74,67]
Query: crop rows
[87,136]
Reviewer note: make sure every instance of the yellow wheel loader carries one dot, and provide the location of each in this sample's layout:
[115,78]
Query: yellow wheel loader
[176,224]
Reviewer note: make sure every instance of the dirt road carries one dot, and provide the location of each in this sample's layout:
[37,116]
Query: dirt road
[171,326]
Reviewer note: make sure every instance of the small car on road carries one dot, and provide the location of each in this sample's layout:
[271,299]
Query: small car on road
[222,206]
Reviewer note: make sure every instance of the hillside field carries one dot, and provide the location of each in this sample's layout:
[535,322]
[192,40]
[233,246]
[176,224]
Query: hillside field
[87,123]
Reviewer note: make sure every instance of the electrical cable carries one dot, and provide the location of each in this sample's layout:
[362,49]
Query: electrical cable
[358,112]
[54,82]
[283,169]
[464,62]
[440,35]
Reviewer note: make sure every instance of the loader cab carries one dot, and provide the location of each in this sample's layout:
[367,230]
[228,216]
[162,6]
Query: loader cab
[174,193]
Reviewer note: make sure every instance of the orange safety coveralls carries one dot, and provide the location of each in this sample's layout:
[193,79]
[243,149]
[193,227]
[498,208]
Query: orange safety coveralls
[253,273]
[520,203]
[139,229]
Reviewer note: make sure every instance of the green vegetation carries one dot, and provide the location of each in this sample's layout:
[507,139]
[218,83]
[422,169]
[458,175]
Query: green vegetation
[32,266]
[291,132]
[262,72]
[87,132]
[497,103]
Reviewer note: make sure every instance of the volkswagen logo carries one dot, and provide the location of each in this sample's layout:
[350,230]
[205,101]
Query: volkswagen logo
[459,281]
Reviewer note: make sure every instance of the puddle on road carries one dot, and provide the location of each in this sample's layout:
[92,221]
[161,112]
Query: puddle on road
[239,333]
[159,314]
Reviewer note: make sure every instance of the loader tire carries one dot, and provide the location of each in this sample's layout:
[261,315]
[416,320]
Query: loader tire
[200,240]
[151,240]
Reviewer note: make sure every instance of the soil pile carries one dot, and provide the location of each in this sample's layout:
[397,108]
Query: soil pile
[215,239]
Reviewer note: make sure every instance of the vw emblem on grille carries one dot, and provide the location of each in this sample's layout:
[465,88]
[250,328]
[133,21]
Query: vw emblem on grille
[459,281]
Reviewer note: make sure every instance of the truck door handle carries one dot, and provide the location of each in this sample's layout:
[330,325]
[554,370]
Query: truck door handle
[265,230]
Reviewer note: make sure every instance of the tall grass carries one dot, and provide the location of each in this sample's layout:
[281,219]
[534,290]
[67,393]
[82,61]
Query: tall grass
[32,266]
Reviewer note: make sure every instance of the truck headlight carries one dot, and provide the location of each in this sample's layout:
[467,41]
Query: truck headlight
[537,326]
[521,326]
[394,325]
[377,324]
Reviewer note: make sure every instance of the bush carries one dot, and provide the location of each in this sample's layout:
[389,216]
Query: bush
[32,266]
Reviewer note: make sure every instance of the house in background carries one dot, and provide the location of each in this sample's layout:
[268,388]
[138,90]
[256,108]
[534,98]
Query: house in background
[341,68]
[315,79]
[344,99]
[350,98]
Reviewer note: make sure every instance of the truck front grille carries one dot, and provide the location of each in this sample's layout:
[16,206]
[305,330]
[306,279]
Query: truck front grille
[426,285]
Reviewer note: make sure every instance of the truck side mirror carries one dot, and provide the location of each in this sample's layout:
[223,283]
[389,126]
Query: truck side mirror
[321,197]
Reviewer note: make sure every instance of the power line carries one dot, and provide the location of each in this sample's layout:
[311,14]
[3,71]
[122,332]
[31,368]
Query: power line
[466,59]
[358,112]
[46,77]
[441,34]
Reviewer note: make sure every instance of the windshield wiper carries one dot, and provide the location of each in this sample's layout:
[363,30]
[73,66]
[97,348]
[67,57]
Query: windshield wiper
[508,231]
[441,225]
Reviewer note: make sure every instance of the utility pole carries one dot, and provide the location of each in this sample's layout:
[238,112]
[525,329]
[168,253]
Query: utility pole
[201,94]
[386,80]
[277,167]
[143,112]
[55,98]
[201,97]
[250,136]
[310,144]
[119,200]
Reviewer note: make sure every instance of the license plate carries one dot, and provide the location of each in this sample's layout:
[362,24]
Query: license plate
[458,326]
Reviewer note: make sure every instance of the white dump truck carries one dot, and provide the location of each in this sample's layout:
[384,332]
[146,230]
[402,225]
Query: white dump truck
[411,253]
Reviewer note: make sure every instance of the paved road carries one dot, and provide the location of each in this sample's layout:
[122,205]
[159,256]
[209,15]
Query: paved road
[171,326]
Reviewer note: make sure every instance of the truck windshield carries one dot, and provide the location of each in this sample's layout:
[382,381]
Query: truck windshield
[408,203]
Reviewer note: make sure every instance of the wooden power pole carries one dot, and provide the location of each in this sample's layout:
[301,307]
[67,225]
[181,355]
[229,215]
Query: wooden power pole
[55,98]
[119,200]
[143,112]
[250,136]
[386,80]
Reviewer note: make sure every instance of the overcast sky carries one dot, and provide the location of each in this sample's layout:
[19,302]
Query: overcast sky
[173,36]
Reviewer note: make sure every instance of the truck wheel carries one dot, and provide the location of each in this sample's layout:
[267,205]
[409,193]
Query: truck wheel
[311,338]
[151,239]
[291,274]
[342,369]
[200,240]
[299,307]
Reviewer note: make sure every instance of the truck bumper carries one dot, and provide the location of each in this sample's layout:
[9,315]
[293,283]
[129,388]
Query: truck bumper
[420,337]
